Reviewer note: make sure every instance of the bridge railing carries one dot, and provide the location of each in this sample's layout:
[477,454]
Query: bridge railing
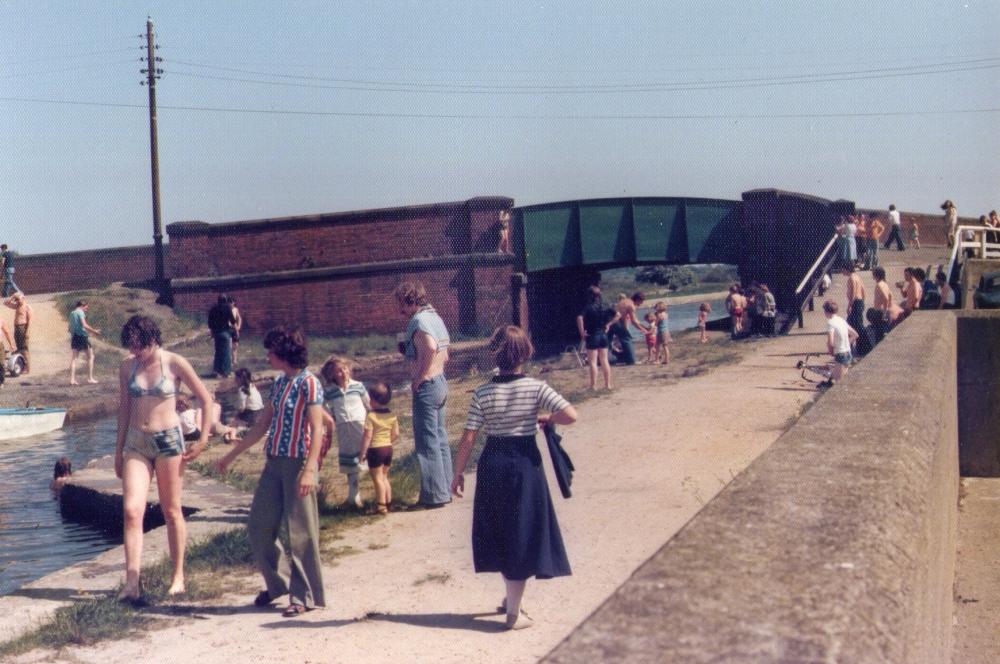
[810,282]
[977,242]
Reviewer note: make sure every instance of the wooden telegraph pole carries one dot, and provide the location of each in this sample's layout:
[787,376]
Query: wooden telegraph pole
[153,73]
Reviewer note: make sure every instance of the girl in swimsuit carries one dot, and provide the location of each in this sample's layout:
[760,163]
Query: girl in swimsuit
[650,334]
[662,333]
[703,311]
[150,443]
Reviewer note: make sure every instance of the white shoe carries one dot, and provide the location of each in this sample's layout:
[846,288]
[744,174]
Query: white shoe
[518,621]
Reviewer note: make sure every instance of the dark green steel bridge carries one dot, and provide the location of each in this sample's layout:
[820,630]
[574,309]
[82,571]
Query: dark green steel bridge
[771,236]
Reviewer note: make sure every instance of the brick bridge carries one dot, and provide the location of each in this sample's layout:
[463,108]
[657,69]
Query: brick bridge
[334,273]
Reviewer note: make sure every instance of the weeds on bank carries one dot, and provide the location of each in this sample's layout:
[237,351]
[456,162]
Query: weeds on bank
[83,623]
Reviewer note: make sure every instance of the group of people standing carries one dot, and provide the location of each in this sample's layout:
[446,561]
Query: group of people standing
[515,531]
[752,310]
[991,221]
[864,328]
[604,329]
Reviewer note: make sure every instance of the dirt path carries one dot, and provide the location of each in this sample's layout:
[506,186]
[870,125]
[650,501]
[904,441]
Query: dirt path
[49,338]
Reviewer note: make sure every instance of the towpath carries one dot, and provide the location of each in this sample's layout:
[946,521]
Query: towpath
[648,457]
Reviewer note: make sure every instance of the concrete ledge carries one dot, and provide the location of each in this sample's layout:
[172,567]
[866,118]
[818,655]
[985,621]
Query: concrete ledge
[230,281]
[210,507]
[836,545]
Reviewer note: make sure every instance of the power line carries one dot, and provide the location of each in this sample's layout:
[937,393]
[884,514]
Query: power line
[721,84]
[935,65]
[73,56]
[500,66]
[512,116]
[67,69]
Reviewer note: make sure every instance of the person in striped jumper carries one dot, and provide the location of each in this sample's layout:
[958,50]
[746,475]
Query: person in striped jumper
[286,492]
[348,403]
[514,527]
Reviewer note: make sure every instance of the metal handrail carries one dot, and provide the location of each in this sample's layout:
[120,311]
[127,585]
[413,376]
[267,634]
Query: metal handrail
[980,243]
[819,259]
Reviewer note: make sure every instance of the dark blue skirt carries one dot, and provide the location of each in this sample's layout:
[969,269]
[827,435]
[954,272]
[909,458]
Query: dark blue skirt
[514,527]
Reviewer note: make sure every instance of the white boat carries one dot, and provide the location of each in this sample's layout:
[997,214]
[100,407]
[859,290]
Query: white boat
[20,422]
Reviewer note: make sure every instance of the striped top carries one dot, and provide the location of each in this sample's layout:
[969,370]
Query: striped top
[508,405]
[289,435]
[347,405]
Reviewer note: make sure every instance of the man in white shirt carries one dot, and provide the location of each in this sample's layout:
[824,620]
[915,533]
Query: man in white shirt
[839,339]
[895,229]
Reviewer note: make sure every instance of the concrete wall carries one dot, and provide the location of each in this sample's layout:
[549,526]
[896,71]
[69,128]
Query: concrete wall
[836,545]
[979,393]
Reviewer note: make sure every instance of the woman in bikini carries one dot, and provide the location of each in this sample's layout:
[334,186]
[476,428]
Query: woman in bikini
[150,443]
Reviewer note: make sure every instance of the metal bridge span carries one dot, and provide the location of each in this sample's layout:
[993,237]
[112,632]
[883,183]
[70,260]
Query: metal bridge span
[770,235]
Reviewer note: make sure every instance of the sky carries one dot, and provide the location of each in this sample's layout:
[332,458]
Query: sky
[272,108]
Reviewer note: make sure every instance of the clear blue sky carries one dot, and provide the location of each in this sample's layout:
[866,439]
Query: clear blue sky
[272,108]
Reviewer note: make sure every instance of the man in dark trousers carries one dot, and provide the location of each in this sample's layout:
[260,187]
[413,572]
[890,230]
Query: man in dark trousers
[221,323]
[895,229]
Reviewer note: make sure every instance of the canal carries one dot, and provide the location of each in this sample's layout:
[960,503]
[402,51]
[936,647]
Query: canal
[35,539]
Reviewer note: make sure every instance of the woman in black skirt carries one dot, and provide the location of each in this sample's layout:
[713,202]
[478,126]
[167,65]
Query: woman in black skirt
[514,527]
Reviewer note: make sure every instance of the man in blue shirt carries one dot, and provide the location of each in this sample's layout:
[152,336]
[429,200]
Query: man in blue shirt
[7,258]
[79,332]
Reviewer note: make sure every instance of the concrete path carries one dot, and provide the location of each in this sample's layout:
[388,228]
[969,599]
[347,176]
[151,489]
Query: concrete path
[977,582]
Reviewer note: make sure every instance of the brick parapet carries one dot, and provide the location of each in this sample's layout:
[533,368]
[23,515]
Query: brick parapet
[326,240]
[76,270]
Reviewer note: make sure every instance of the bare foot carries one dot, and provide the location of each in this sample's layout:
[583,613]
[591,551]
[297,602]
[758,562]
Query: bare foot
[176,588]
[92,381]
[73,382]
[128,593]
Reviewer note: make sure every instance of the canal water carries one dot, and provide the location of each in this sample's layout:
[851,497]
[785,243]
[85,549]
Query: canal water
[35,540]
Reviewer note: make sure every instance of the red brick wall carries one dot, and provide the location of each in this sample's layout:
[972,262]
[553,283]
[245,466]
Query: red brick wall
[75,270]
[325,240]
[381,245]
[470,300]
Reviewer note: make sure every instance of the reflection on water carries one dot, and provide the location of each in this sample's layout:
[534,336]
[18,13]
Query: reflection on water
[34,538]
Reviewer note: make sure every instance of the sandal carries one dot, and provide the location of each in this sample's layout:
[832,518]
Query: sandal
[293,610]
[382,508]
[263,599]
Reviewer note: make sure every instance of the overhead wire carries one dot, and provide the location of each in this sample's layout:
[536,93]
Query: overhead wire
[97,65]
[67,56]
[298,80]
[511,116]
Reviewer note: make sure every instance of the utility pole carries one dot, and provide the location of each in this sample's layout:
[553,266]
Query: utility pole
[153,73]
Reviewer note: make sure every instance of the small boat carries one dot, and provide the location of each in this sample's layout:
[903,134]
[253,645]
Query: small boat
[20,422]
